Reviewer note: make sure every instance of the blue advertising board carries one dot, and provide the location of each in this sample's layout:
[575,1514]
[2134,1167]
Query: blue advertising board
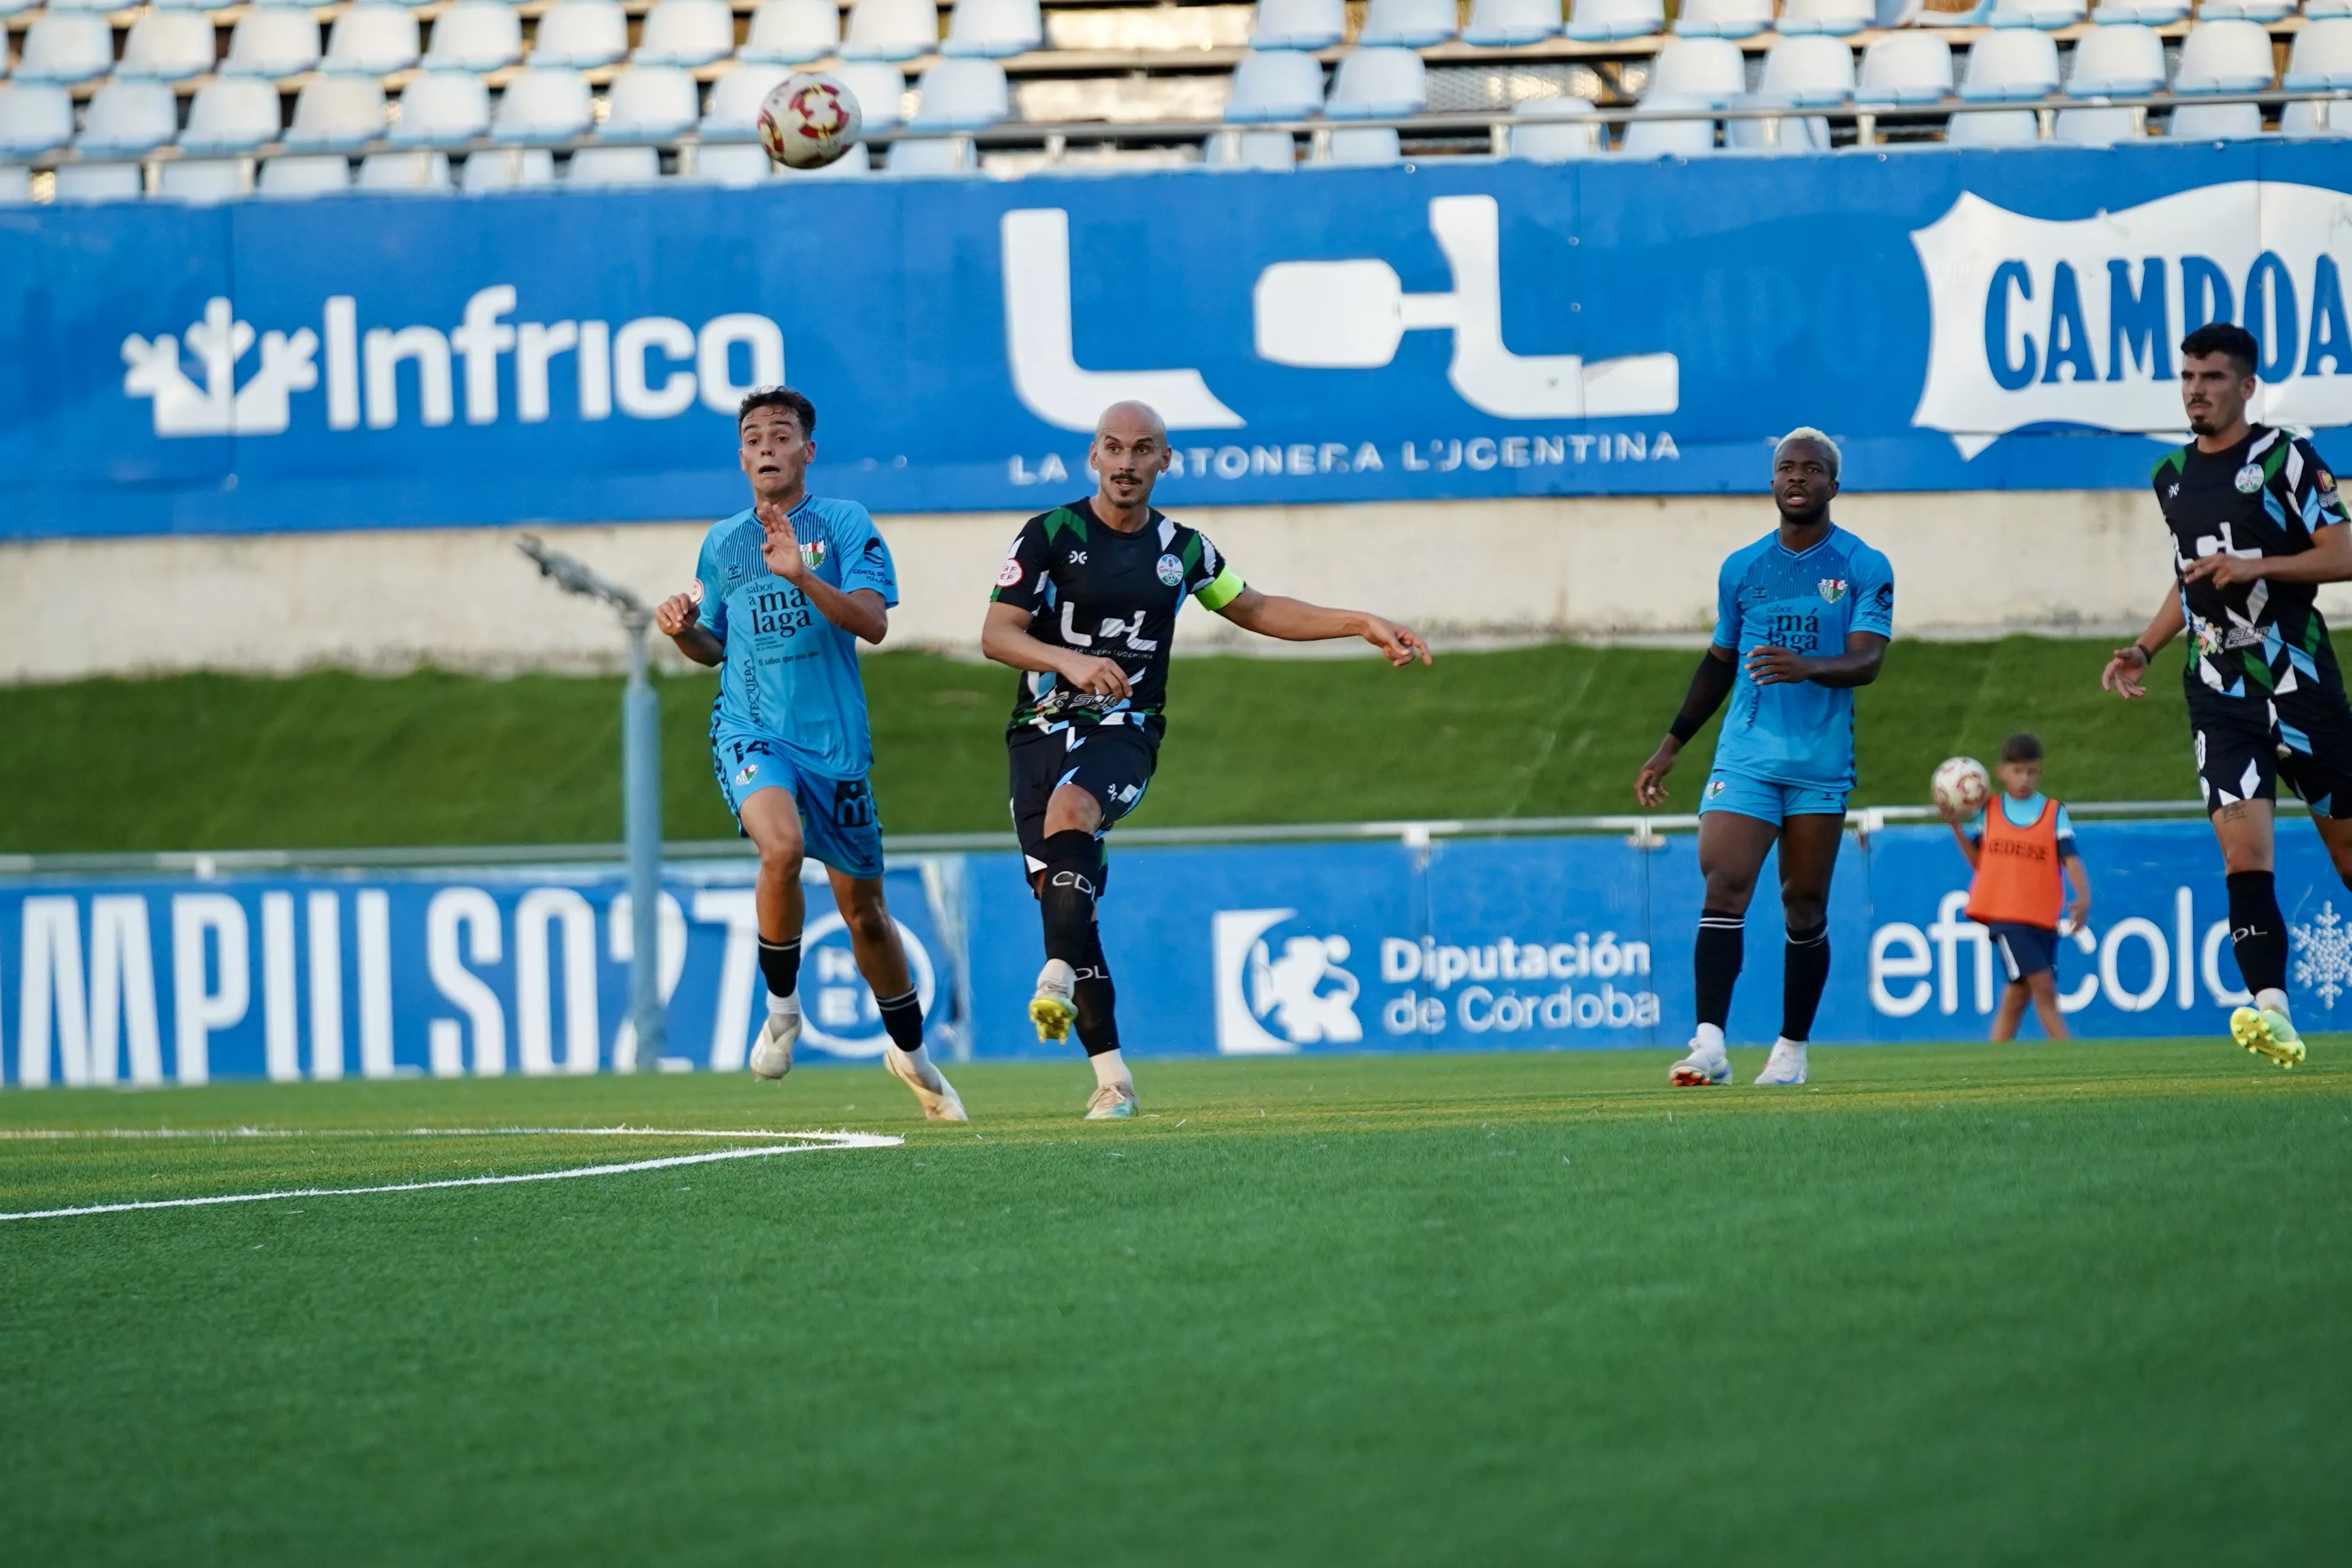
[1500,944]
[1464,328]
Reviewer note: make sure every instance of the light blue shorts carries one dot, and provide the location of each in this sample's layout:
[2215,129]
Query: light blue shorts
[839,827]
[1766,801]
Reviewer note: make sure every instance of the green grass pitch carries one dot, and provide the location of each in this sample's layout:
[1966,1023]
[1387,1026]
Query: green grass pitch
[329,759]
[1982,1304]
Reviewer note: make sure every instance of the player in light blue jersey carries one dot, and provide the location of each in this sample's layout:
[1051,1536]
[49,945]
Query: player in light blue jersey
[1803,617]
[782,593]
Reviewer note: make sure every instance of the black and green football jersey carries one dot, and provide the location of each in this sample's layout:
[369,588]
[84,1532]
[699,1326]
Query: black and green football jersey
[2266,495]
[1090,587]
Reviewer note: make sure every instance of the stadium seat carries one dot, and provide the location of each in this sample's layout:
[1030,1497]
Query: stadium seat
[2011,66]
[1835,18]
[15,185]
[1275,152]
[2046,15]
[993,30]
[851,164]
[231,114]
[2215,122]
[1556,130]
[1993,127]
[2098,127]
[126,118]
[167,45]
[2322,55]
[2245,10]
[686,32]
[476,36]
[1596,21]
[1710,70]
[2139,13]
[2228,56]
[662,102]
[891,31]
[1298,24]
[1408,23]
[601,167]
[963,95]
[311,174]
[879,87]
[1905,68]
[543,104]
[735,100]
[66,47]
[373,39]
[337,114]
[1275,84]
[734,164]
[203,179]
[1723,18]
[273,41]
[580,35]
[507,169]
[1791,133]
[1502,24]
[207,5]
[395,174]
[1378,84]
[442,109]
[791,32]
[2126,61]
[2325,10]
[99,183]
[1363,147]
[1688,137]
[1809,69]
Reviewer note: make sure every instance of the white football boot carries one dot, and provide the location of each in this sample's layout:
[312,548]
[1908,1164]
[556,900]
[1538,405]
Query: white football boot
[933,1090]
[1051,1009]
[1706,1064]
[771,1053]
[1786,1065]
[1112,1102]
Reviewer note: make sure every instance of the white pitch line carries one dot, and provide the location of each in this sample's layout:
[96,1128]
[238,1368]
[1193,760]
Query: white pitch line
[46,1134]
[822,1141]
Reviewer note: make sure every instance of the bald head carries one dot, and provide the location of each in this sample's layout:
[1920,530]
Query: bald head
[1131,422]
[1131,452]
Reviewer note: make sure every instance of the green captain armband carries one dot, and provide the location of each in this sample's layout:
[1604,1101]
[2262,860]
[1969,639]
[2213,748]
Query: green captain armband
[1222,589]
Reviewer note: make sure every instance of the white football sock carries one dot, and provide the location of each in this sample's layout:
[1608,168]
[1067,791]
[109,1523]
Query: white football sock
[1795,1047]
[2273,1000]
[791,1003]
[1710,1038]
[920,1058]
[1110,1072]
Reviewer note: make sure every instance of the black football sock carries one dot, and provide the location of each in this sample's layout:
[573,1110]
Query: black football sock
[2257,930]
[1066,893]
[1714,962]
[1805,969]
[1097,999]
[903,1016]
[780,965]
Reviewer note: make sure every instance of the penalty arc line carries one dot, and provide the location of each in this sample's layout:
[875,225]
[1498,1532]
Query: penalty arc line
[831,1141]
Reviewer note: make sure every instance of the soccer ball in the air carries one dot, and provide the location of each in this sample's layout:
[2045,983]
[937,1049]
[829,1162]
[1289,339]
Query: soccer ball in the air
[1961,785]
[810,119]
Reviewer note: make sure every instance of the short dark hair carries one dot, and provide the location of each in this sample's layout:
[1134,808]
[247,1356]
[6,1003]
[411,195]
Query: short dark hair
[779,397]
[2224,338]
[2025,746]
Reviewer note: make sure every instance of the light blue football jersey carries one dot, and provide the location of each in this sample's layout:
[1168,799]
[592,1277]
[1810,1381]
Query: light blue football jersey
[1769,597]
[789,674]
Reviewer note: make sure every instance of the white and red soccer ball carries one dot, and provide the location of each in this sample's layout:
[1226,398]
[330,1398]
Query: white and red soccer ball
[1961,785]
[809,120]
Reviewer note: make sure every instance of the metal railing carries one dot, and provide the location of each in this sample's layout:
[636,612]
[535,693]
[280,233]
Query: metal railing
[1220,139]
[1639,828]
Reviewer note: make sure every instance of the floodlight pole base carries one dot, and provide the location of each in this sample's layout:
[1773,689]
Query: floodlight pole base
[641,818]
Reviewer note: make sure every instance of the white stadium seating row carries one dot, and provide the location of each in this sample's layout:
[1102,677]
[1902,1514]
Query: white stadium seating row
[457,98]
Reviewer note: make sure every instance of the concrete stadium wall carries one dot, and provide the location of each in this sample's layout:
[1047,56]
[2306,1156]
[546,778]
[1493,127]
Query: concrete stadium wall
[1966,564]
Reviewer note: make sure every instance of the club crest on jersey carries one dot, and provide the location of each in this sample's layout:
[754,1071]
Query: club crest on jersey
[812,553]
[1009,575]
[745,774]
[1171,571]
[2250,478]
[1714,788]
[1832,589]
